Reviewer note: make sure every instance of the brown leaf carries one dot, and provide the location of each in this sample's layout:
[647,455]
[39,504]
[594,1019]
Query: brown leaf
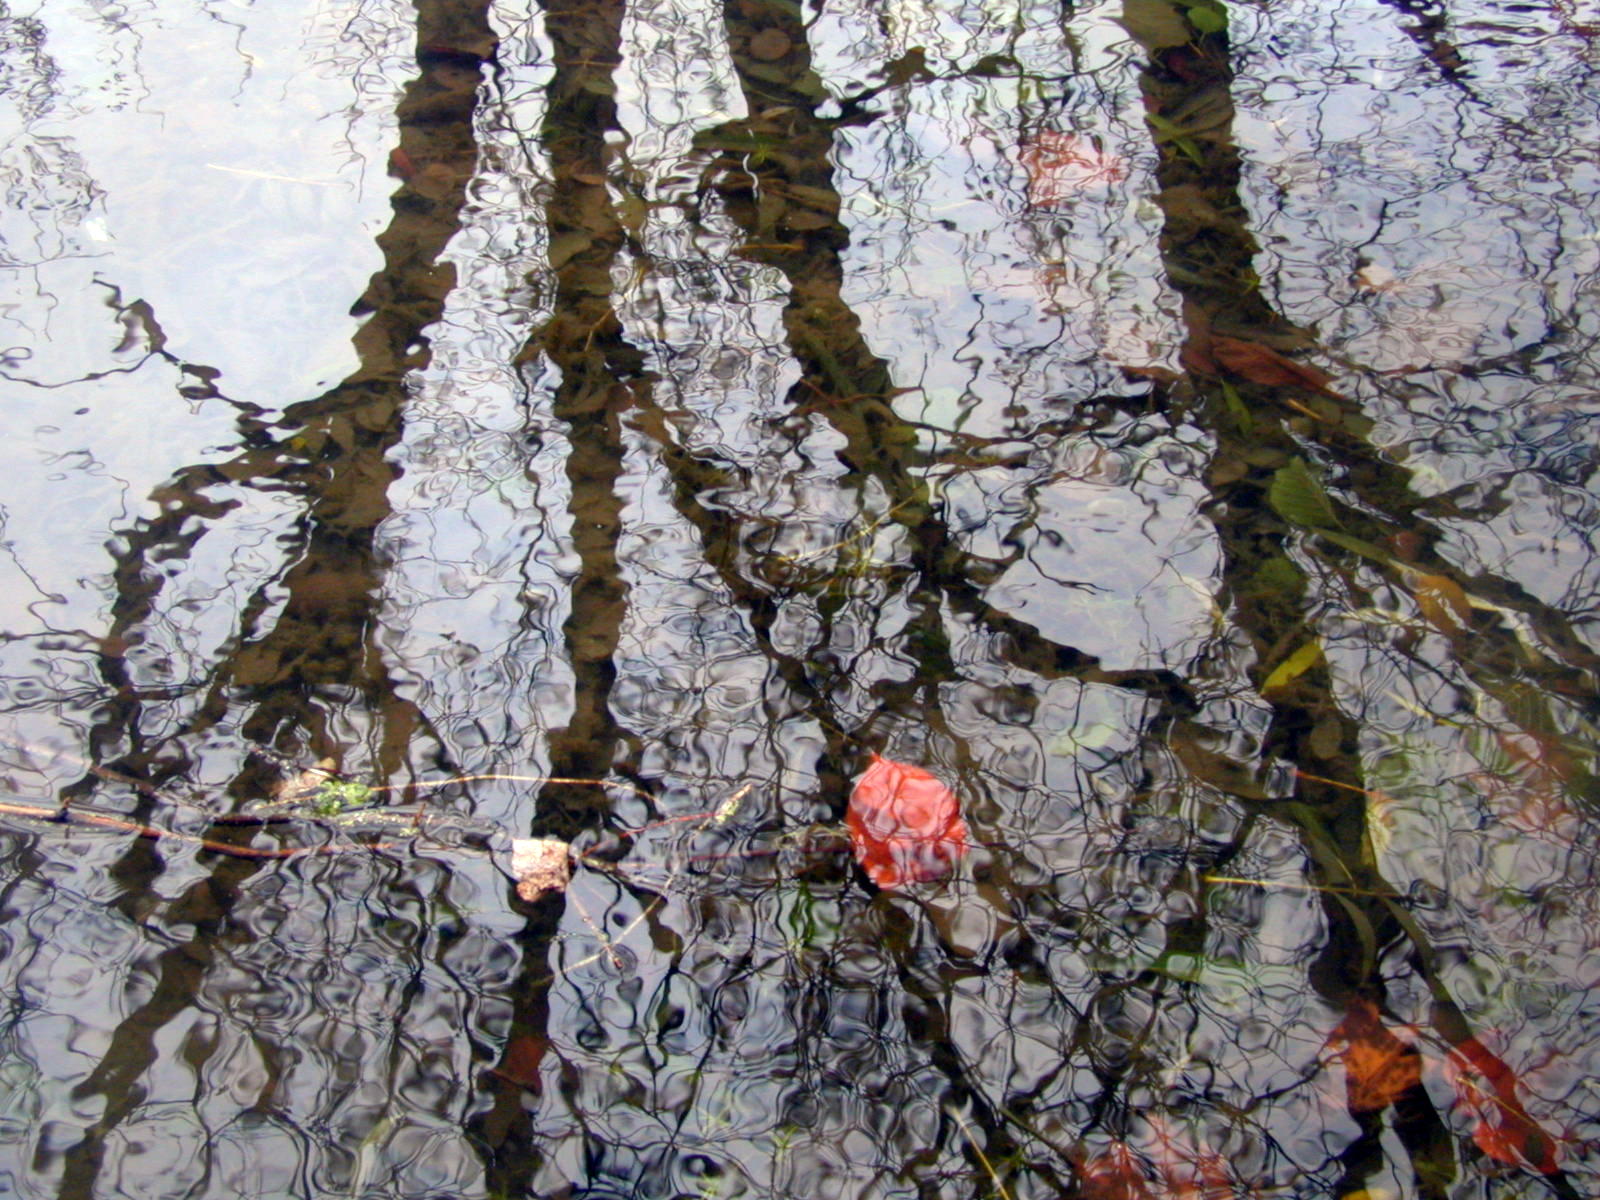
[1159,375]
[905,826]
[1265,366]
[1379,1068]
[1442,602]
[770,45]
[520,1063]
[1196,356]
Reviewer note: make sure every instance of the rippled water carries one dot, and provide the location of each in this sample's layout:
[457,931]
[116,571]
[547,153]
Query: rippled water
[462,401]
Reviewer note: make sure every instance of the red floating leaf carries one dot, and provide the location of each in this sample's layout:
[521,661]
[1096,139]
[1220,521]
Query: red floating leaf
[905,826]
[1503,1129]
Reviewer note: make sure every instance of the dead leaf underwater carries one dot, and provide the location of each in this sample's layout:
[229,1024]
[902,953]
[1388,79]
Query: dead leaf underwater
[1265,366]
[1379,1067]
[1206,352]
[905,826]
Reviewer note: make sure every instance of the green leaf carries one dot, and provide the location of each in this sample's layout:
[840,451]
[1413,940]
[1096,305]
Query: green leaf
[1208,17]
[1155,24]
[1236,407]
[1297,497]
[337,795]
[1276,577]
[1171,131]
[1296,665]
[1356,546]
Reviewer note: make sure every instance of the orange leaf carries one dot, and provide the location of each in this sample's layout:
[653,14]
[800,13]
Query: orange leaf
[905,826]
[1379,1068]
[1263,365]
[1502,1128]
[1060,164]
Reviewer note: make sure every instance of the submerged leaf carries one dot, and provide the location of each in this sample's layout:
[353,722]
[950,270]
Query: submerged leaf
[1207,16]
[541,865]
[1381,822]
[1442,601]
[1297,497]
[1265,366]
[1154,24]
[1296,665]
[1379,1067]
[905,826]
[1189,1171]
[1236,407]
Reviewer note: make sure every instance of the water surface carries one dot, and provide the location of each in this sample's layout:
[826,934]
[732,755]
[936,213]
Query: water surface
[1171,425]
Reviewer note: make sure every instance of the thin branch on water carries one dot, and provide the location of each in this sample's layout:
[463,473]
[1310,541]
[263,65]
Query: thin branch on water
[68,815]
[966,1130]
[1293,886]
[431,784]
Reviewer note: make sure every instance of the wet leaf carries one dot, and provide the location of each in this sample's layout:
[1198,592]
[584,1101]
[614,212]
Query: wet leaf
[1381,822]
[1195,354]
[1501,1127]
[1356,546]
[905,826]
[770,45]
[1154,24]
[1297,497]
[520,1063]
[1236,407]
[1442,602]
[1158,375]
[1296,665]
[1208,16]
[1374,277]
[1379,1067]
[1189,1171]
[1171,131]
[1327,738]
[566,246]
[1265,366]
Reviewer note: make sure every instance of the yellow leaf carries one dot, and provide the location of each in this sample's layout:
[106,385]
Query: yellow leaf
[1296,665]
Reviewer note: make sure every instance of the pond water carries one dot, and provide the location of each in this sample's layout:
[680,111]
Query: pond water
[1171,424]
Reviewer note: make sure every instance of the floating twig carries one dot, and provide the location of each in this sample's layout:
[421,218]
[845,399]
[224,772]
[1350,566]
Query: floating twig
[66,815]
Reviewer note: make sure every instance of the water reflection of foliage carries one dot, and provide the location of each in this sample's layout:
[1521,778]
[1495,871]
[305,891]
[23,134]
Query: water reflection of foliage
[802,567]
